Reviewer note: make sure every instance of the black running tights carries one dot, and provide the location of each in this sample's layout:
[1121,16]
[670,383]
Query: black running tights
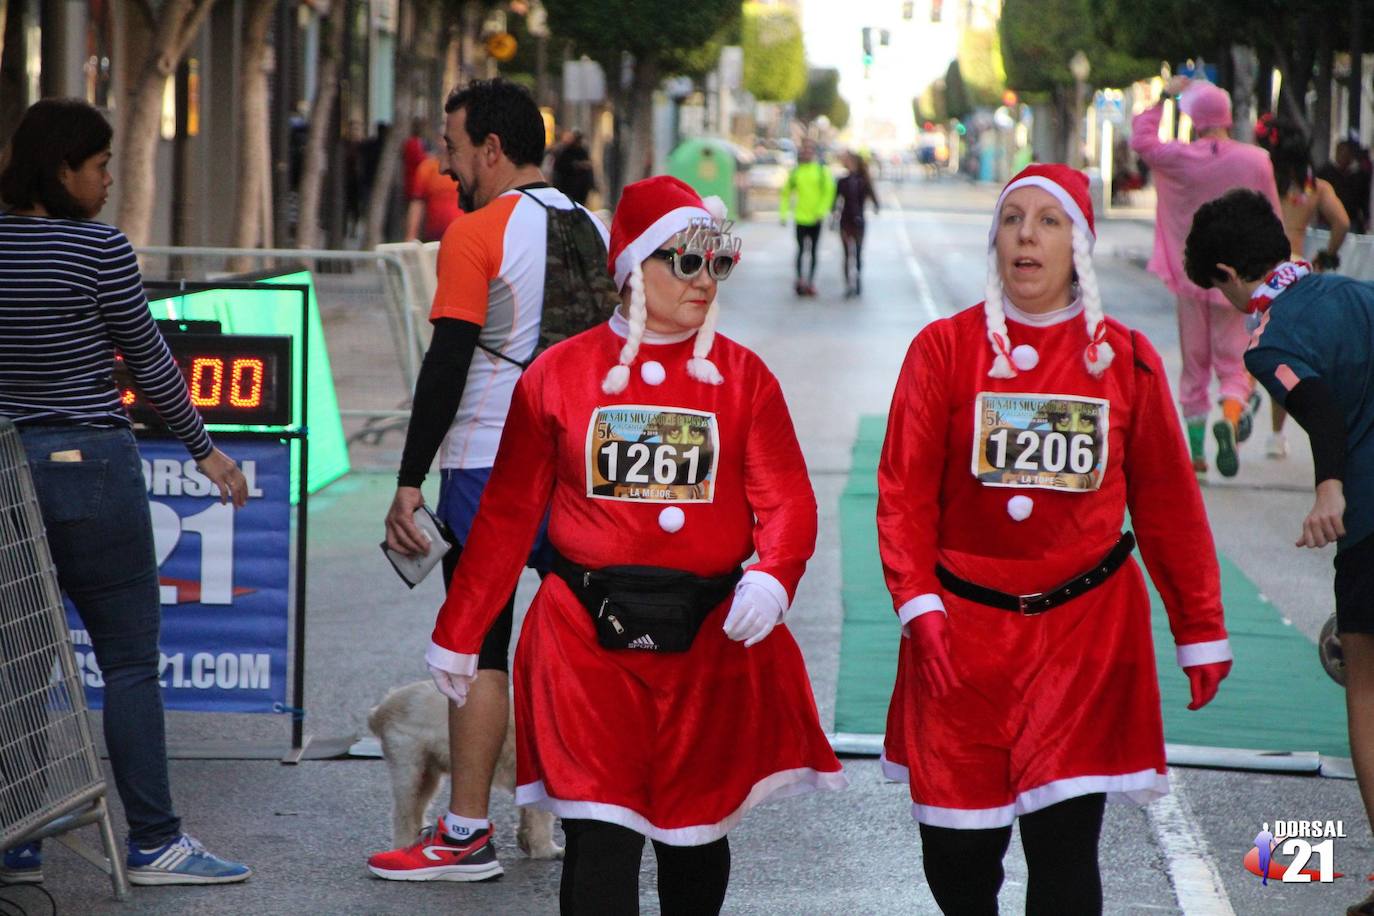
[853,239]
[808,237]
[601,873]
[964,867]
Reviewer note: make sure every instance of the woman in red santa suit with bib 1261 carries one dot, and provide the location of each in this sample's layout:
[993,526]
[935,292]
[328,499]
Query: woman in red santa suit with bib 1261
[656,701]
[1026,684]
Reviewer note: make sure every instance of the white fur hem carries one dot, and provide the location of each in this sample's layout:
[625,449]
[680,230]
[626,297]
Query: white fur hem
[921,604]
[452,662]
[1204,653]
[1138,788]
[782,784]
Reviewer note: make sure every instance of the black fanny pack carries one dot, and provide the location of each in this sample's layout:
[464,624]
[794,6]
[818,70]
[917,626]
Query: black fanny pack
[645,607]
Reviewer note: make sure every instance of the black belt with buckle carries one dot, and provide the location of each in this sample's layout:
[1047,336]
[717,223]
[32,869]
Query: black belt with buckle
[1040,602]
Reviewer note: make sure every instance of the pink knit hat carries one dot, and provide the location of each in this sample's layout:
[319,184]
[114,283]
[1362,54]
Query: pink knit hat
[1208,105]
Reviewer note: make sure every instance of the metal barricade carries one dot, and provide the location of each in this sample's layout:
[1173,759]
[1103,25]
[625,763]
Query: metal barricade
[374,315]
[1357,252]
[50,776]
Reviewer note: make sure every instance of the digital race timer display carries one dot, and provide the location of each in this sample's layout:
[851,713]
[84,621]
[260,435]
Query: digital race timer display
[232,378]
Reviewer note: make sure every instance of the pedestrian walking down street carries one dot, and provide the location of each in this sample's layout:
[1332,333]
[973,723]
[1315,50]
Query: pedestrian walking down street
[1025,621]
[1304,199]
[1314,352]
[854,191]
[70,293]
[491,312]
[807,197]
[657,693]
[1211,335]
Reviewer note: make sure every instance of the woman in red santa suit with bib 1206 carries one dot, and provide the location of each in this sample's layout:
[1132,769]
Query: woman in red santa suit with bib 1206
[682,457]
[1026,684]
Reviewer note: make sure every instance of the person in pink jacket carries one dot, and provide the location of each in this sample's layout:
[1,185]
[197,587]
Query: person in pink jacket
[1211,336]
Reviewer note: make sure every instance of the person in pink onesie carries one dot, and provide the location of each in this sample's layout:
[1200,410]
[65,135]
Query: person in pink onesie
[1211,336]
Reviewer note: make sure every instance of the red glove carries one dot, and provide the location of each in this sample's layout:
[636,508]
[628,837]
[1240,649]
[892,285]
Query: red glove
[935,671]
[1205,679]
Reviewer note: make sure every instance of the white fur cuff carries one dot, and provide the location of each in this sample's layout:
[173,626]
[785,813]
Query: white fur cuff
[1204,653]
[921,604]
[452,662]
[769,584]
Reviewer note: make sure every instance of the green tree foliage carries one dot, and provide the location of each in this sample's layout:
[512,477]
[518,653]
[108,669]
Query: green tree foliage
[646,29]
[774,58]
[981,71]
[822,97]
[654,33]
[1039,37]
[698,61]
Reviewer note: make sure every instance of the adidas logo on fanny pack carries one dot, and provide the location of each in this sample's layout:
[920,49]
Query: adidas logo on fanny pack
[642,642]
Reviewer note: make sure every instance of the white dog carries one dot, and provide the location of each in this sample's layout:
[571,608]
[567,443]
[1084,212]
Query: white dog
[412,723]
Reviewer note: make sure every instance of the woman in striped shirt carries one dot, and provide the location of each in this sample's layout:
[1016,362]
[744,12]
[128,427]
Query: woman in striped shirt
[70,295]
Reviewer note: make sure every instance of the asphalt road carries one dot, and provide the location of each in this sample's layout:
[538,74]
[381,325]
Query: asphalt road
[307,829]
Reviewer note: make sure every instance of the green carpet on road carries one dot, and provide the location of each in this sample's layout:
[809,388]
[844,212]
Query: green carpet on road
[1277,697]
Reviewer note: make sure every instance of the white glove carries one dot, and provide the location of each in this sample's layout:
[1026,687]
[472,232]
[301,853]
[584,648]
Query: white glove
[453,686]
[753,614]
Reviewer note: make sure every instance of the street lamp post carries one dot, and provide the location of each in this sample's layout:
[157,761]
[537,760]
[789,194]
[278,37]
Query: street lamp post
[1080,68]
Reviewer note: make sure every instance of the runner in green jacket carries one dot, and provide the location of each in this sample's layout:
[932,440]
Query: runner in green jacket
[814,188]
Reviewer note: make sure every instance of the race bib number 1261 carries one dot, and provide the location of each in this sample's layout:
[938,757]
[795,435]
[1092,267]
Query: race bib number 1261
[1039,441]
[654,454]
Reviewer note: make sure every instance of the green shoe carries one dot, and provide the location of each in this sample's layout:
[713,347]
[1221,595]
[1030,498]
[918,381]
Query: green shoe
[1228,458]
[1197,438]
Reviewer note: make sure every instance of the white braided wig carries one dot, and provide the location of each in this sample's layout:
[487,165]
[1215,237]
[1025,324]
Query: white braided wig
[699,366]
[1098,355]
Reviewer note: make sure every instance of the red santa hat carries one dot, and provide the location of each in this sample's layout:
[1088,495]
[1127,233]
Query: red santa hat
[651,214]
[1070,188]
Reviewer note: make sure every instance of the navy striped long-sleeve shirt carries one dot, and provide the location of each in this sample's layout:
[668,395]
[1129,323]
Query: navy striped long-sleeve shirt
[70,294]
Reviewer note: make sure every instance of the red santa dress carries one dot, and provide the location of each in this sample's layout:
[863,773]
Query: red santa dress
[1065,703]
[677,746]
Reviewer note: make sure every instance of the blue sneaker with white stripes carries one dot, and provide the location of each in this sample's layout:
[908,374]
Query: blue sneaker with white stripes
[22,865]
[182,861]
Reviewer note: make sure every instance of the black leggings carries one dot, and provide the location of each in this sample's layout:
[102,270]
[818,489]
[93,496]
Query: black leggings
[852,235]
[964,867]
[601,873]
[808,236]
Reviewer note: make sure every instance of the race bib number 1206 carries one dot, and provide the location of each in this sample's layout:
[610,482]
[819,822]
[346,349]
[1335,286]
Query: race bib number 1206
[1039,441]
[654,454]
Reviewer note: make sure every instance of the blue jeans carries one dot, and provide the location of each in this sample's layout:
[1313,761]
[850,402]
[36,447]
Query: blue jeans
[101,535]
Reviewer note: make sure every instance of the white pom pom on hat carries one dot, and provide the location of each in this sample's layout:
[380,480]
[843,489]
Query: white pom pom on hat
[1019,508]
[1070,188]
[650,213]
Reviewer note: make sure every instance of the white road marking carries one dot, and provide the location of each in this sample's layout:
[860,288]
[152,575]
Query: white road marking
[913,265]
[1197,884]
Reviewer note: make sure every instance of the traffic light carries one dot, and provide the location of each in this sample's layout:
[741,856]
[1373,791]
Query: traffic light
[868,47]
[908,9]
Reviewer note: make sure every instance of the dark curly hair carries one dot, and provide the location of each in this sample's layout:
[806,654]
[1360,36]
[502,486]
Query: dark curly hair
[1289,151]
[52,133]
[1238,229]
[503,108]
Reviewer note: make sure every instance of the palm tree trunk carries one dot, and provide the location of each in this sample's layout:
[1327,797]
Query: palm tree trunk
[322,127]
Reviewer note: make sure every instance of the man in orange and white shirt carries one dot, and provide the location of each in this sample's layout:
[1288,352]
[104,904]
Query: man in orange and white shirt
[486,318]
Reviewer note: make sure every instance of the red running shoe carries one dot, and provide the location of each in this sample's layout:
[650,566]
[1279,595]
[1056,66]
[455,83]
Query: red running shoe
[435,856]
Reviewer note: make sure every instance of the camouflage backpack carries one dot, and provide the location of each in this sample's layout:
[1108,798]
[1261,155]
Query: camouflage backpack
[578,291]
